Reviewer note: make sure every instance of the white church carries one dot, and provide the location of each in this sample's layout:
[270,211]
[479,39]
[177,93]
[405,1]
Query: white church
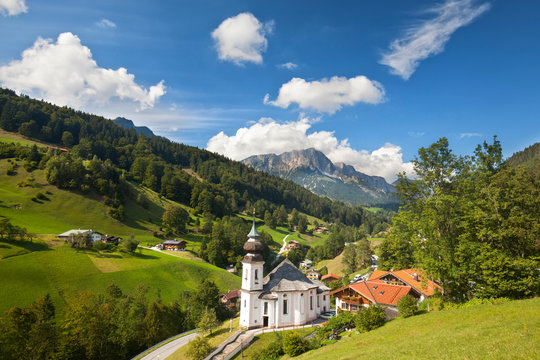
[284,297]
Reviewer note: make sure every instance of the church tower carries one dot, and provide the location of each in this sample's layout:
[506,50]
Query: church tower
[252,280]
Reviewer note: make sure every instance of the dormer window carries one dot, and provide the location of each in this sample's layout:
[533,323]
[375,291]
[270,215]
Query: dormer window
[375,287]
[382,292]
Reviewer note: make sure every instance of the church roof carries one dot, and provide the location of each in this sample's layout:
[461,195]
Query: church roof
[287,277]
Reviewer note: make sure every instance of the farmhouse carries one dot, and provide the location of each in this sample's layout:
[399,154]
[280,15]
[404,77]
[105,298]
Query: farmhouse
[329,278]
[109,239]
[313,274]
[231,298]
[175,245]
[306,264]
[422,287]
[284,297]
[293,245]
[70,235]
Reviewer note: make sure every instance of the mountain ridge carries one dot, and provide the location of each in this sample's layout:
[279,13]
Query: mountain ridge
[314,171]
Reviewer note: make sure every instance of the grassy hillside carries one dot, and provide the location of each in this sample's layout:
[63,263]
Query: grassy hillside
[506,331]
[60,270]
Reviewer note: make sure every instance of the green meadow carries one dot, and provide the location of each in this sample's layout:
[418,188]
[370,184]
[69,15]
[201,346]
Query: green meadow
[509,330]
[61,271]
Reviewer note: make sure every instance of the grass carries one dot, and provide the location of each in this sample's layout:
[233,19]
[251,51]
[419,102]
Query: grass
[216,338]
[263,340]
[15,138]
[334,266]
[61,271]
[506,331]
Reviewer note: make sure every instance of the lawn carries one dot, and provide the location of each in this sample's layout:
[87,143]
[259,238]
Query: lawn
[506,331]
[216,338]
[60,271]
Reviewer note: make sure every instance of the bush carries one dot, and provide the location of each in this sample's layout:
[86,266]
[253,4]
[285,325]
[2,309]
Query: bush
[199,348]
[274,350]
[407,306]
[341,321]
[433,303]
[294,344]
[370,318]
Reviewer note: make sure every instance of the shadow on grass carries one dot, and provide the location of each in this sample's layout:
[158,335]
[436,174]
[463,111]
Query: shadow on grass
[108,256]
[144,256]
[27,245]
[219,332]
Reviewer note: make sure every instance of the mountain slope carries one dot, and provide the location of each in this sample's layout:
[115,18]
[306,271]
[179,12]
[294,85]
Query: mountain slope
[314,171]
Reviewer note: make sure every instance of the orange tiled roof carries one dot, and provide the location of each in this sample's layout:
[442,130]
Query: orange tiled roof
[423,284]
[330,276]
[381,293]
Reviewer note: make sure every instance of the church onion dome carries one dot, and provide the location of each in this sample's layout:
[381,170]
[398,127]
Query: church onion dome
[253,247]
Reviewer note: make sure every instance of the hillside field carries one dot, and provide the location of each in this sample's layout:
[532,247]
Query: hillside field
[509,330]
[59,270]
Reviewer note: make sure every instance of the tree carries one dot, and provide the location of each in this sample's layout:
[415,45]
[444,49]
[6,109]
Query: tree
[130,244]
[302,224]
[269,220]
[175,219]
[198,348]
[208,321]
[349,258]
[293,344]
[407,306]
[67,139]
[370,318]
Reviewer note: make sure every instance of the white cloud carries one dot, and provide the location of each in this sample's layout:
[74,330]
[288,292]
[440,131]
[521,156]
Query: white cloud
[416,133]
[429,37]
[326,95]
[288,65]
[106,23]
[12,7]
[468,135]
[65,73]
[241,38]
[268,136]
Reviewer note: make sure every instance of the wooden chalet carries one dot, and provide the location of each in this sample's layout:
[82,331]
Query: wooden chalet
[421,285]
[231,298]
[330,277]
[313,274]
[175,245]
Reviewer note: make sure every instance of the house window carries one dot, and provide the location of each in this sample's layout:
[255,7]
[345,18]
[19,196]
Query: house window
[310,302]
[265,308]
[285,310]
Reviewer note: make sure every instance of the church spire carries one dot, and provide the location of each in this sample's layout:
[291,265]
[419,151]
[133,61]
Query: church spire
[253,233]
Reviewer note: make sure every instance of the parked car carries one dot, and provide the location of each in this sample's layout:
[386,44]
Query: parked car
[327,315]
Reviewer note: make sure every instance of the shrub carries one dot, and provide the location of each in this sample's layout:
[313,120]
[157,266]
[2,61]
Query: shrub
[341,321]
[199,348]
[274,350]
[407,306]
[370,318]
[293,344]
[433,303]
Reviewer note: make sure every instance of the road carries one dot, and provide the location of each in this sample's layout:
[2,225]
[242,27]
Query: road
[282,250]
[164,351]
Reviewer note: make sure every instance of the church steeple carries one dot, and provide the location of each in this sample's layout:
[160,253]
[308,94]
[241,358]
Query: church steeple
[253,246]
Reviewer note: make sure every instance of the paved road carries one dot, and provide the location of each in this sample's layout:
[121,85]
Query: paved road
[162,352]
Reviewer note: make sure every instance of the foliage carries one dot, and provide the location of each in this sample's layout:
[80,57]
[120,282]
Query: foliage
[208,321]
[294,344]
[130,244]
[407,306]
[336,324]
[470,222]
[370,318]
[198,348]
[274,350]
[175,219]
[357,256]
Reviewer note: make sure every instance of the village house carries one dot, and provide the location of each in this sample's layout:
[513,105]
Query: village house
[306,264]
[328,278]
[70,235]
[313,274]
[284,297]
[320,230]
[384,288]
[174,245]
[109,239]
[231,298]
[293,245]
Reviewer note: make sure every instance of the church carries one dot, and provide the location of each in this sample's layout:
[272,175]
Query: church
[284,297]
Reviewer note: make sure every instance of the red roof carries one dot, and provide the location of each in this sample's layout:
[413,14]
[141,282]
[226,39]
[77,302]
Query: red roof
[330,277]
[233,294]
[423,284]
[378,292]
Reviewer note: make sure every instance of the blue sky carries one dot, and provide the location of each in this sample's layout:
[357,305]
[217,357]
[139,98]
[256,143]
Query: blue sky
[367,82]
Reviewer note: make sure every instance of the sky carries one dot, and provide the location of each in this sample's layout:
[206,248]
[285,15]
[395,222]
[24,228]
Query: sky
[366,82]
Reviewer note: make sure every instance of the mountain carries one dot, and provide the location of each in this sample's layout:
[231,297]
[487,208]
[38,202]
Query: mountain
[128,124]
[528,157]
[314,171]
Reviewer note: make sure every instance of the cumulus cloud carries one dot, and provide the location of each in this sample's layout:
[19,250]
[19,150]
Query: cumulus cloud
[328,95]
[269,136]
[106,23]
[65,73]
[242,38]
[12,7]
[429,37]
[288,65]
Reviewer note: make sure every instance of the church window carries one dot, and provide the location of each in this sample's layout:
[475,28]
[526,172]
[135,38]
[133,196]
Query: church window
[265,308]
[310,302]
[318,301]
[245,303]
[256,274]
[324,297]
[285,310]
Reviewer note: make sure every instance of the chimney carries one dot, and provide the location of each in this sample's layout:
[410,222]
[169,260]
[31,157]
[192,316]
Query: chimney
[415,276]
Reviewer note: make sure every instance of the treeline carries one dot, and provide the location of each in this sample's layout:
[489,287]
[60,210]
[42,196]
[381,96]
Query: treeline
[158,163]
[112,325]
[472,222]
